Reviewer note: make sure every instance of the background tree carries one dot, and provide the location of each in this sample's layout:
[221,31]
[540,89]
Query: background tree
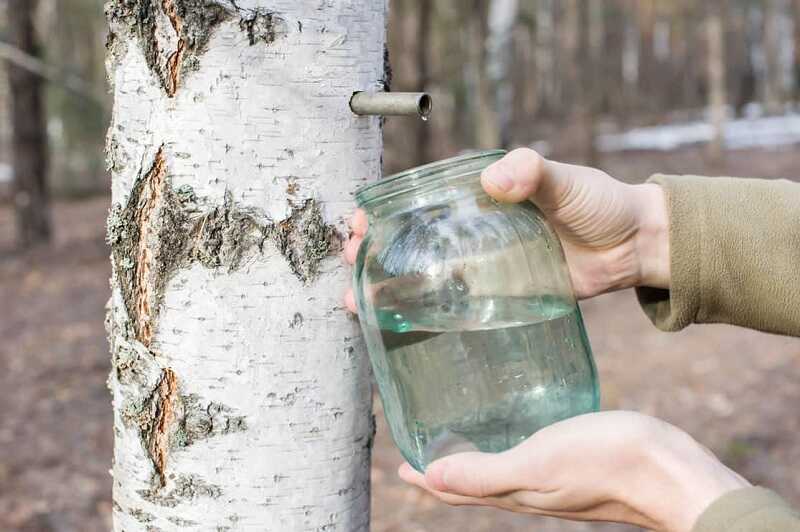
[241,389]
[424,14]
[716,77]
[487,129]
[773,90]
[29,134]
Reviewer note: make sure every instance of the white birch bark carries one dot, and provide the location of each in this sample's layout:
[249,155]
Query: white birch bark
[241,388]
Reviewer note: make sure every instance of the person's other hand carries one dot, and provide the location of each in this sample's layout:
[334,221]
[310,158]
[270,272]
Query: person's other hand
[609,466]
[358,228]
[614,235]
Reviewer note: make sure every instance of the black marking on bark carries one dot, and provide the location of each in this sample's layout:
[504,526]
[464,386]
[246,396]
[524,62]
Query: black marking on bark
[297,321]
[190,23]
[387,69]
[262,25]
[141,516]
[181,522]
[186,488]
[387,84]
[373,428]
[305,240]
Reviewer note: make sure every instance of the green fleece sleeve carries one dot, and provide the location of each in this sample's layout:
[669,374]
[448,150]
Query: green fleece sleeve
[748,510]
[734,254]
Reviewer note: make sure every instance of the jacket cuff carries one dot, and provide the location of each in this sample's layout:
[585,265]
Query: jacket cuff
[750,509]
[674,309]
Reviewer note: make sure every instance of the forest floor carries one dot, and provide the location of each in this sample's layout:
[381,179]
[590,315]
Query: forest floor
[736,391]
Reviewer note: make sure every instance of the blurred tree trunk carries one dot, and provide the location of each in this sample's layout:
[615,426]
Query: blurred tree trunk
[717,98]
[648,66]
[424,16]
[487,129]
[526,89]
[610,64]
[693,70]
[241,392]
[29,131]
[502,19]
[796,58]
[773,96]
[585,61]
[739,64]
[630,65]
[546,46]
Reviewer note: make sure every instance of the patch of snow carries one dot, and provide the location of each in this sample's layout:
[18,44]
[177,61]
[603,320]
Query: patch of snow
[753,131]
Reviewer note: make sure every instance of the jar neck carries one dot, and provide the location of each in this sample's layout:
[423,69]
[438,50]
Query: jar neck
[441,182]
[466,189]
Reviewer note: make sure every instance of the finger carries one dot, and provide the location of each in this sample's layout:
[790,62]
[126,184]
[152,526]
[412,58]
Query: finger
[351,249]
[350,301]
[414,477]
[476,474]
[524,174]
[358,222]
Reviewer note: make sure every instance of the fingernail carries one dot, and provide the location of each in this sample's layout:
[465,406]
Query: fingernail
[500,179]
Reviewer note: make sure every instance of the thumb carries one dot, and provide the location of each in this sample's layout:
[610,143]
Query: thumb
[475,474]
[524,174]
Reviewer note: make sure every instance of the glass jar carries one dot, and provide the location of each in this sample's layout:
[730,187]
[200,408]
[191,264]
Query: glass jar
[467,307]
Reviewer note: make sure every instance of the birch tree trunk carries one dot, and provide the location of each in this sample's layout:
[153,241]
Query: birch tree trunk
[240,388]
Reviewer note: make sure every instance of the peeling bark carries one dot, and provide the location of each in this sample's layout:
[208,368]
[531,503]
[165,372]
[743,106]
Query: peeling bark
[164,403]
[148,238]
[152,193]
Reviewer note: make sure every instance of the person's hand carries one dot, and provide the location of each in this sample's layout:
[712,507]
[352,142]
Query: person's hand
[614,235]
[609,466]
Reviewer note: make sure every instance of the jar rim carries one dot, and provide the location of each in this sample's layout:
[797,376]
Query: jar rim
[414,178]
